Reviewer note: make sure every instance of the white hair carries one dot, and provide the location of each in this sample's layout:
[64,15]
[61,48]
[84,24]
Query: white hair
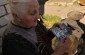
[18,6]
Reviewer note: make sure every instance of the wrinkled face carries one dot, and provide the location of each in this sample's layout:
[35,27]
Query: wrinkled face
[29,19]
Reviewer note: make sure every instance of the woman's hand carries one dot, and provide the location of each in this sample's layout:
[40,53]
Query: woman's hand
[63,46]
[56,25]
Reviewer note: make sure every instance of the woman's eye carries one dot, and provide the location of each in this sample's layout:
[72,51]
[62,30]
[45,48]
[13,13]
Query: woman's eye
[33,13]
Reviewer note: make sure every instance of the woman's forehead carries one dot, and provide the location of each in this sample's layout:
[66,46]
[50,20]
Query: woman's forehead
[33,6]
[34,3]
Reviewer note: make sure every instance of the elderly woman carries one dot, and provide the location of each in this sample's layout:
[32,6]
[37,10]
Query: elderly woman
[27,36]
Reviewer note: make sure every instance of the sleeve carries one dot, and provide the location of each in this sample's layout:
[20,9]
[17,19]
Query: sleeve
[13,47]
[50,34]
[48,31]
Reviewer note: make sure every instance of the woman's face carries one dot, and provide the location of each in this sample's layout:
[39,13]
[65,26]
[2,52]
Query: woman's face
[29,19]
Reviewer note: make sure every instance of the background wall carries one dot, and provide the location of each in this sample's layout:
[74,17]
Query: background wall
[4,20]
[4,13]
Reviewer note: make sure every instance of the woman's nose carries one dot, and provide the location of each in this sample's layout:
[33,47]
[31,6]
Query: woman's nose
[38,16]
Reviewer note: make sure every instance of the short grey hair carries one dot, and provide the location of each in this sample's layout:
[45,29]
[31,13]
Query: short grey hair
[17,6]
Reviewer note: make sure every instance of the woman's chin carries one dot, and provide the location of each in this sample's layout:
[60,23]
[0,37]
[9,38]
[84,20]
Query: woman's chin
[35,24]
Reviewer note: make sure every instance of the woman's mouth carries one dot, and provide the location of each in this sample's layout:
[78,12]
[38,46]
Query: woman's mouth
[35,20]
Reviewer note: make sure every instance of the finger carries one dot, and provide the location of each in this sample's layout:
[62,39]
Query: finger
[56,25]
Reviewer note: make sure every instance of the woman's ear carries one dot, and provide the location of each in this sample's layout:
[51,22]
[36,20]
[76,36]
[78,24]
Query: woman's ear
[14,15]
[16,18]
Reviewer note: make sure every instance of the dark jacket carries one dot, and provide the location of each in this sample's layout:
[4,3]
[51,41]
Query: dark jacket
[13,42]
